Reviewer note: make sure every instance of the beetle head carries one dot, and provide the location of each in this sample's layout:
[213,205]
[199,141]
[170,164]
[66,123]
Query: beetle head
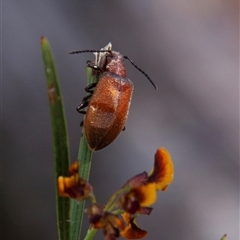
[115,64]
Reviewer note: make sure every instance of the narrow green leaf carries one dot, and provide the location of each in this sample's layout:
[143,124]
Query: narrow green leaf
[85,158]
[60,137]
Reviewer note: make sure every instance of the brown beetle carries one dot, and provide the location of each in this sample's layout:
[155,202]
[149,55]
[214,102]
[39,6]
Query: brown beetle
[108,105]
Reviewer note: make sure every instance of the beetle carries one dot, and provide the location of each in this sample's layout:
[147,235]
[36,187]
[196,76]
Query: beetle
[107,105]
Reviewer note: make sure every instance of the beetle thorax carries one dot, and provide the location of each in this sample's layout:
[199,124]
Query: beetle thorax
[115,64]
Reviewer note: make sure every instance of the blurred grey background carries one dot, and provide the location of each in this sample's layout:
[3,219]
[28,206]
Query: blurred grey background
[189,48]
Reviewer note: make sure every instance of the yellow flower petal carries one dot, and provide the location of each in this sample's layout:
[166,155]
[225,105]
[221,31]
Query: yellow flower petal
[163,172]
[73,169]
[74,186]
[132,231]
[146,194]
[126,217]
[137,199]
[61,187]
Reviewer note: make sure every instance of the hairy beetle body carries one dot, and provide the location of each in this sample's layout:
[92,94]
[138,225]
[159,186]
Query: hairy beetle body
[108,105]
[107,110]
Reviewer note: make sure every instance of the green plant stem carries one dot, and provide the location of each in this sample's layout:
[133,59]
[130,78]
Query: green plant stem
[85,158]
[77,210]
[110,205]
[90,234]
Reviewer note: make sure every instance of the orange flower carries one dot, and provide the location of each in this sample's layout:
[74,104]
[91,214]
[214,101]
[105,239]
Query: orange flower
[138,198]
[95,213]
[74,186]
[134,198]
[146,194]
[73,169]
[163,171]
[143,191]
[132,231]
[109,222]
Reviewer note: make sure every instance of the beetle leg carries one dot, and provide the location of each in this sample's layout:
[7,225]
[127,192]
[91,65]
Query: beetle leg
[85,100]
[124,128]
[81,123]
[81,106]
[94,66]
[89,88]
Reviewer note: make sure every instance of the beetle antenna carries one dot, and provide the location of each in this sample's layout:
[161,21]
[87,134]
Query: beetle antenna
[126,57]
[85,51]
[139,69]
